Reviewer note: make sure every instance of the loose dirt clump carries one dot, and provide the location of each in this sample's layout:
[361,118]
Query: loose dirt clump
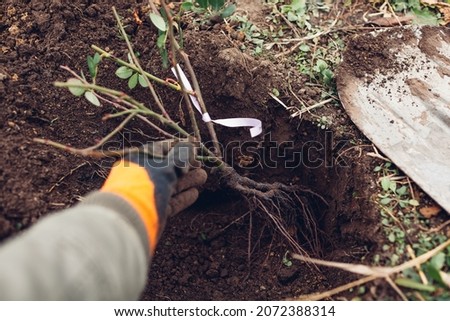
[375,51]
[432,40]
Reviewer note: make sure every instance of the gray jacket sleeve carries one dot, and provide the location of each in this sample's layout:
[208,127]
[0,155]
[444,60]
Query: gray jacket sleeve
[97,250]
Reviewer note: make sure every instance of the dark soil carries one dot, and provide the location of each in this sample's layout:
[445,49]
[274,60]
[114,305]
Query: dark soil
[365,51]
[217,249]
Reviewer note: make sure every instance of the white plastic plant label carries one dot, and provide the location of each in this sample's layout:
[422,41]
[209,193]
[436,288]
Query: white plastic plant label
[254,124]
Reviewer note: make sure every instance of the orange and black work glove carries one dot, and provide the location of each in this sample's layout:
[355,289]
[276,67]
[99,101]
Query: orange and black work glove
[157,187]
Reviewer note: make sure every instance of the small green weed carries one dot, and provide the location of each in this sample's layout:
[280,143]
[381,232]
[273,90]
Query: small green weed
[297,12]
[406,236]
[424,14]
[210,8]
[260,39]
[318,61]
[286,260]
[253,34]
[393,194]
[324,122]
[431,281]
[92,62]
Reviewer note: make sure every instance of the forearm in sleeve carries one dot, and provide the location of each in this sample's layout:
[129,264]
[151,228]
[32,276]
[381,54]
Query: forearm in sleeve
[97,250]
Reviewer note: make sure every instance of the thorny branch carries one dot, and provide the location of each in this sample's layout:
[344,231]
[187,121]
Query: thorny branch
[195,83]
[173,44]
[138,65]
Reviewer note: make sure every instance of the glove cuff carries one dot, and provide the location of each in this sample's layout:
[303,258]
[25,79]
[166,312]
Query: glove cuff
[119,205]
[131,182]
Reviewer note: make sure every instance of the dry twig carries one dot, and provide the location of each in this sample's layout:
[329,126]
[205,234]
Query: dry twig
[371,272]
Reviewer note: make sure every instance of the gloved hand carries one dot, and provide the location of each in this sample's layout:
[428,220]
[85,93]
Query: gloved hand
[186,191]
[157,186]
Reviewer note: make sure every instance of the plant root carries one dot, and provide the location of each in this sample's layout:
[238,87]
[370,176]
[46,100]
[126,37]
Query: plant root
[287,207]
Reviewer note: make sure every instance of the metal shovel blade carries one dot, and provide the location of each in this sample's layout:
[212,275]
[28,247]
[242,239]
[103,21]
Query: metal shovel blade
[395,85]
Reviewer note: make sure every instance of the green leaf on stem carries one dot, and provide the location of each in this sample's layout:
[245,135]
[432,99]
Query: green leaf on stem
[228,11]
[306,48]
[89,95]
[93,62]
[132,82]
[203,3]
[411,284]
[434,273]
[165,58]
[161,41]
[161,44]
[321,65]
[216,4]
[77,91]
[186,6]
[124,72]
[438,261]
[393,186]
[402,190]
[91,66]
[142,81]
[385,183]
[97,58]
[158,21]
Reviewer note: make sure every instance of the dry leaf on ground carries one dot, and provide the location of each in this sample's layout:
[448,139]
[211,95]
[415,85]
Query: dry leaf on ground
[392,21]
[430,211]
